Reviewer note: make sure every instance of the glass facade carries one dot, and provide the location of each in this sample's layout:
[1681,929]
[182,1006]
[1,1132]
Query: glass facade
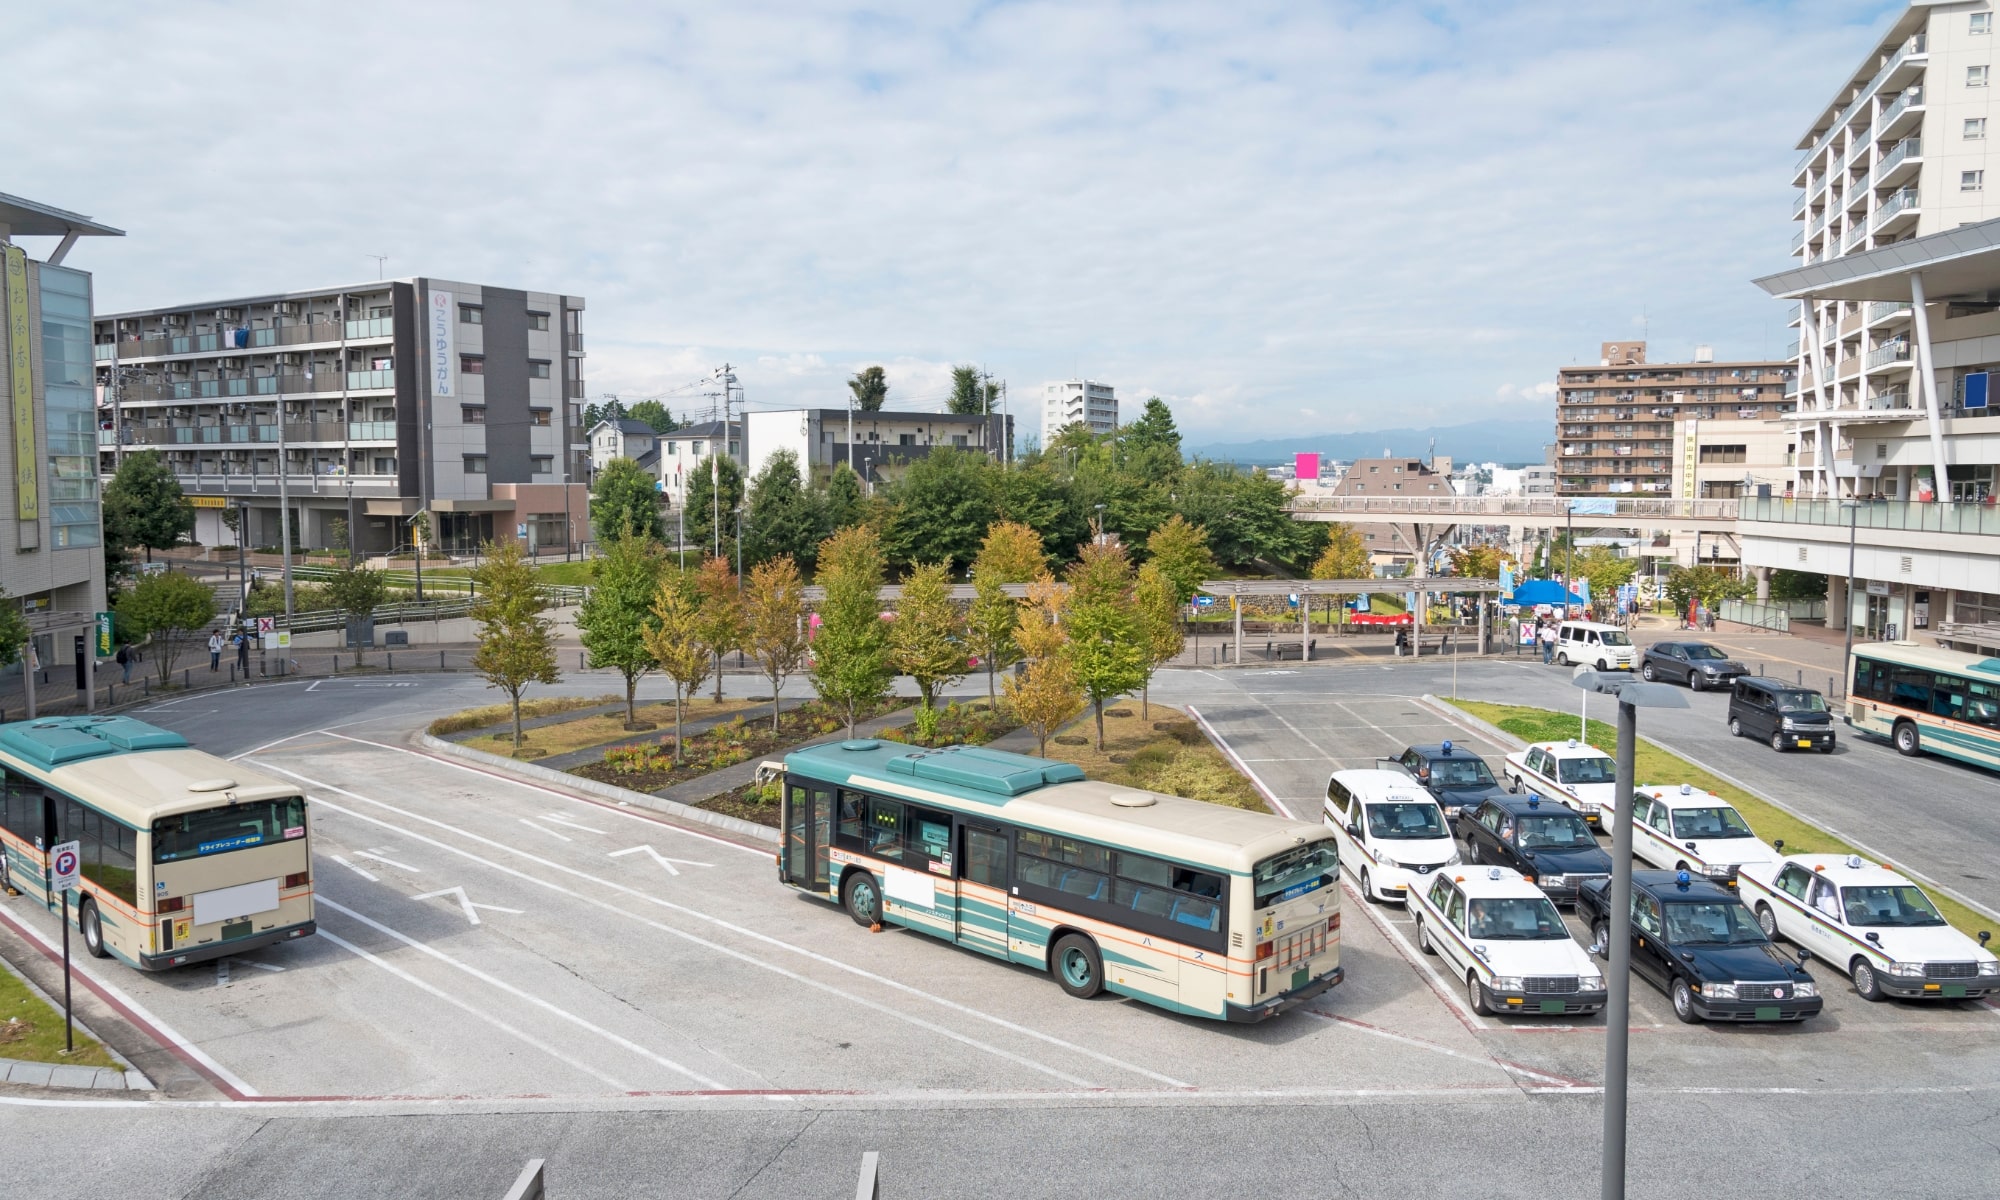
[71,408]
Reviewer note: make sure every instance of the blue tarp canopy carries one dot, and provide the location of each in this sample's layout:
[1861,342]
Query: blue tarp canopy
[1542,591]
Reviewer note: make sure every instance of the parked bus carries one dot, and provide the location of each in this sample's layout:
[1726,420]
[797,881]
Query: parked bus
[1192,907]
[185,856]
[1925,699]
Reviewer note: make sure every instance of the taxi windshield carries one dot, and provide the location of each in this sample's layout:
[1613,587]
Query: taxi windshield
[1514,918]
[1719,822]
[1587,770]
[1889,904]
[1461,773]
[1558,831]
[1405,820]
[1711,922]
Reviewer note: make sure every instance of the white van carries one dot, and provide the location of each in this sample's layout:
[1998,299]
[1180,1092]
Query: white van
[1605,647]
[1390,831]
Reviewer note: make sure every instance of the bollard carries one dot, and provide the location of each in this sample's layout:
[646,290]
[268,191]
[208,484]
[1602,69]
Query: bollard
[392,662]
[186,681]
[579,660]
[440,660]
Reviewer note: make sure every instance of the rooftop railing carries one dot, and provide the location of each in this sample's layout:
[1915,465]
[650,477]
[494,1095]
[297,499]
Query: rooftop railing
[1904,515]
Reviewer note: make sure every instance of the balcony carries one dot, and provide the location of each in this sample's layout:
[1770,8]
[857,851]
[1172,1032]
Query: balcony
[1798,241]
[574,342]
[1908,105]
[1900,209]
[373,327]
[316,383]
[1894,352]
[1855,237]
[1905,515]
[1883,310]
[358,381]
[1899,163]
[1799,205]
[1886,401]
[371,431]
[297,334]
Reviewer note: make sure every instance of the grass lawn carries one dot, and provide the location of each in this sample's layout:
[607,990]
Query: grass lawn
[31,1030]
[1166,753]
[1656,766]
[493,714]
[610,727]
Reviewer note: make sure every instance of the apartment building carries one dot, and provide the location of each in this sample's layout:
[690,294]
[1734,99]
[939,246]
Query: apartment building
[1395,544]
[1898,312]
[364,405]
[679,453]
[1078,401]
[51,525]
[1622,426]
[876,444]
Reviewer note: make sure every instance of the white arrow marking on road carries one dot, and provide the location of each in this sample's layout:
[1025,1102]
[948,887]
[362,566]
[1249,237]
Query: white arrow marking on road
[538,829]
[370,876]
[221,972]
[390,861]
[466,904]
[251,962]
[556,818]
[662,859]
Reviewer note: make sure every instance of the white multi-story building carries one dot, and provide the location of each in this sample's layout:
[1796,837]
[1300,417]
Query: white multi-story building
[1899,335]
[1078,402]
[878,445]
[677,455]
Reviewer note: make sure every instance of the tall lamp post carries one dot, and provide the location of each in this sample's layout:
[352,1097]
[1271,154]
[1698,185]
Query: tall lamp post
[1847,618]
[1633,695]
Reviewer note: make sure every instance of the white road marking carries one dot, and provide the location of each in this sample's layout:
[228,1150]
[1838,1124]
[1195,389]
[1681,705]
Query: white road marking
[662,859]
[222,972]
[885,981]
[455,1002]
[261,966]
[389,861]
[365,873]
[556,818]
[552,833]
[1270,796]
[266,746]
[465,903]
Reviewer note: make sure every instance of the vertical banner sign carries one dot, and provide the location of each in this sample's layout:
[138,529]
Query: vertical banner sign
[444,342]
[21,390]
[1690,467]
[104,635]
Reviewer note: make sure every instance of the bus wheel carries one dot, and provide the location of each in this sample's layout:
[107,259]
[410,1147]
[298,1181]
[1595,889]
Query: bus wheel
[93,928]
[1907,741]
[862,901]
[1079,970]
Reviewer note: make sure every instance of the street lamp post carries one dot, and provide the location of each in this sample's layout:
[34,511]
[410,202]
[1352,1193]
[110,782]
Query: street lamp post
[1847,598]
[1633,695]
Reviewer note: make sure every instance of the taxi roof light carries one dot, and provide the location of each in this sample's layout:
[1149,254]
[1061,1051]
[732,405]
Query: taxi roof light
[1682,879]
[1854,861]
[1446,747]
[1493,872]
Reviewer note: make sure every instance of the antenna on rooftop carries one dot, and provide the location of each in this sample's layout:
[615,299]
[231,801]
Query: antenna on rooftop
[380,259]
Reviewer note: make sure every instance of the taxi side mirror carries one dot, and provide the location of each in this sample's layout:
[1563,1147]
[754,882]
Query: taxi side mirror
[1805,956]
[1779,845]
[1689,845]
[1354,830]
[1985,935]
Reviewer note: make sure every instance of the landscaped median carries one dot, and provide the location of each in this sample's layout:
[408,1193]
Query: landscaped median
[32,1031]
[1654,766]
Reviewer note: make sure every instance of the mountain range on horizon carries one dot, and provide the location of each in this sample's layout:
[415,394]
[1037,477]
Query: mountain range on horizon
[1506,442]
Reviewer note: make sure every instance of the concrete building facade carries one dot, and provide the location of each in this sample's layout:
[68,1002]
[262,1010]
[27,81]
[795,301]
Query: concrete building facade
[877,444]
[1078,401]
[1395,544]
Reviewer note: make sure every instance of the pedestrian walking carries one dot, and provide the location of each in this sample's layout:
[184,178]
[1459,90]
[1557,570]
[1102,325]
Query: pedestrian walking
[243,655]
[1547,636]
[215,651]
[124,660]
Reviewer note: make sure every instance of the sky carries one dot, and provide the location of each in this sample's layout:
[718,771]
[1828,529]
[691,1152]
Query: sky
[1279,217]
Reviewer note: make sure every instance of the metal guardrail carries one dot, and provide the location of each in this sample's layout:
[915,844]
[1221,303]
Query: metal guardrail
[1515,506]
[320,620]
[1907,515]
[558,595]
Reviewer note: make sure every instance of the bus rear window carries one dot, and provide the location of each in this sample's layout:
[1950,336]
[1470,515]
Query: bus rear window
[230,827]
[1294,873]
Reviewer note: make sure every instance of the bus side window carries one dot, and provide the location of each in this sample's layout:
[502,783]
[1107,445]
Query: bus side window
[852,832]
[885,828]
[929,835]
[1910,687]
[21,808]
[1948,696]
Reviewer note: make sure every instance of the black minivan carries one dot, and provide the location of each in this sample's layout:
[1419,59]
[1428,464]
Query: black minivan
[1786,715]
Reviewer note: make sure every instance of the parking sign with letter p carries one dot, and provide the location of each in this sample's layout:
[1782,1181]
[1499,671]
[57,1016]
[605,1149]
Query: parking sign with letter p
[65,864]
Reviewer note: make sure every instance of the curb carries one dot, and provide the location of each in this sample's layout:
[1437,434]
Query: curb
[605,791]
[61,1075]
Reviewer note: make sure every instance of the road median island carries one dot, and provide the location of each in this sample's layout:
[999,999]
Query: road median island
[1657,765]
[1162,752]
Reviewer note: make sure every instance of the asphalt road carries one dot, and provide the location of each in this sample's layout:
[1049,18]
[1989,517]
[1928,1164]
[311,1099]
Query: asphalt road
[509,972]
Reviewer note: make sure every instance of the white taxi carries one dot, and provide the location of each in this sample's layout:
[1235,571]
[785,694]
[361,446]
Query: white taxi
[1505,939]
[1572,773]
[1871,923]
[1682,829]
[1391,832]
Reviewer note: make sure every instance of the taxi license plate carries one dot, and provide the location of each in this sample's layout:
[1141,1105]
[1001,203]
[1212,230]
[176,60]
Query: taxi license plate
[1767,1014]
[1552,1006]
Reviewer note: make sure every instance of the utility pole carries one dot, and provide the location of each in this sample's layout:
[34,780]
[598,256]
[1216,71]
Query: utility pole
[285,509]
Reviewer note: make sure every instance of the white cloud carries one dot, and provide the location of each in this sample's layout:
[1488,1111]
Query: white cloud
[1370,211]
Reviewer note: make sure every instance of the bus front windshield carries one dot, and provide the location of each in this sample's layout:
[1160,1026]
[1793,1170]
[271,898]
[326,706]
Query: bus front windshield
[228,827]
[1295,872]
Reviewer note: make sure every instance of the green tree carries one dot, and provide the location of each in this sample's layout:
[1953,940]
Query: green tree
[617,612]
[870,386]
[943,506]
[674,639]
[706,502]
[1106,645]
[516,646]
[1708,585]
[970,395]
[625,499]
[774,622]
[13,631]
[1011,553]
[1152,444]
[654,413]
[845,504]
[1046,694]
[929,632]
[721,597]
[782,517]
[1182,554]
[1606,570]
[611,410]
[357,592]
[336,532]
[1160,626]
[1478,562]
[1245,516]
[851,668]
[169,608]
[1345,556]
[1797,585]
[1033,493]
[143,505]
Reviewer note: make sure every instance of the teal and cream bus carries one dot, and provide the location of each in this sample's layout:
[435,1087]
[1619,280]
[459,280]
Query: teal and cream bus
[1192,907]
[1928,700]
[185,856]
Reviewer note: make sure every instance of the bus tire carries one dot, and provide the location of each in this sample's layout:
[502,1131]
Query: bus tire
[862,899]
[92,926]
[1908,741]
[1078,968]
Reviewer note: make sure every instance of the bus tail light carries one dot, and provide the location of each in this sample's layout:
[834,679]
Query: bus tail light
[1333,923]
[171,904]
[299,879]
[1265,950]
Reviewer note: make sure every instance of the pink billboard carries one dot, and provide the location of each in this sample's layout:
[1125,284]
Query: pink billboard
[1308,466]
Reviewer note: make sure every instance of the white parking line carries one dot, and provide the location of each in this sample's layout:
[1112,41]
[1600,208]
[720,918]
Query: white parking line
[1270,797]
[561,837]
[775,943]
[370,876]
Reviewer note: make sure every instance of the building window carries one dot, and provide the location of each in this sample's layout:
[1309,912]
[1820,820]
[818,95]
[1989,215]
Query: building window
[379,311]
[471,314]
[471,364]
[1981,23]
[539,416]
[1975,77]
[472,414]
[695,448]
[1725,454]
[385,465]
[538,369]
[541,464]
[1975,129]
[538,320]
[670,452]
[475,464]
[1972,181]
[906,439]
